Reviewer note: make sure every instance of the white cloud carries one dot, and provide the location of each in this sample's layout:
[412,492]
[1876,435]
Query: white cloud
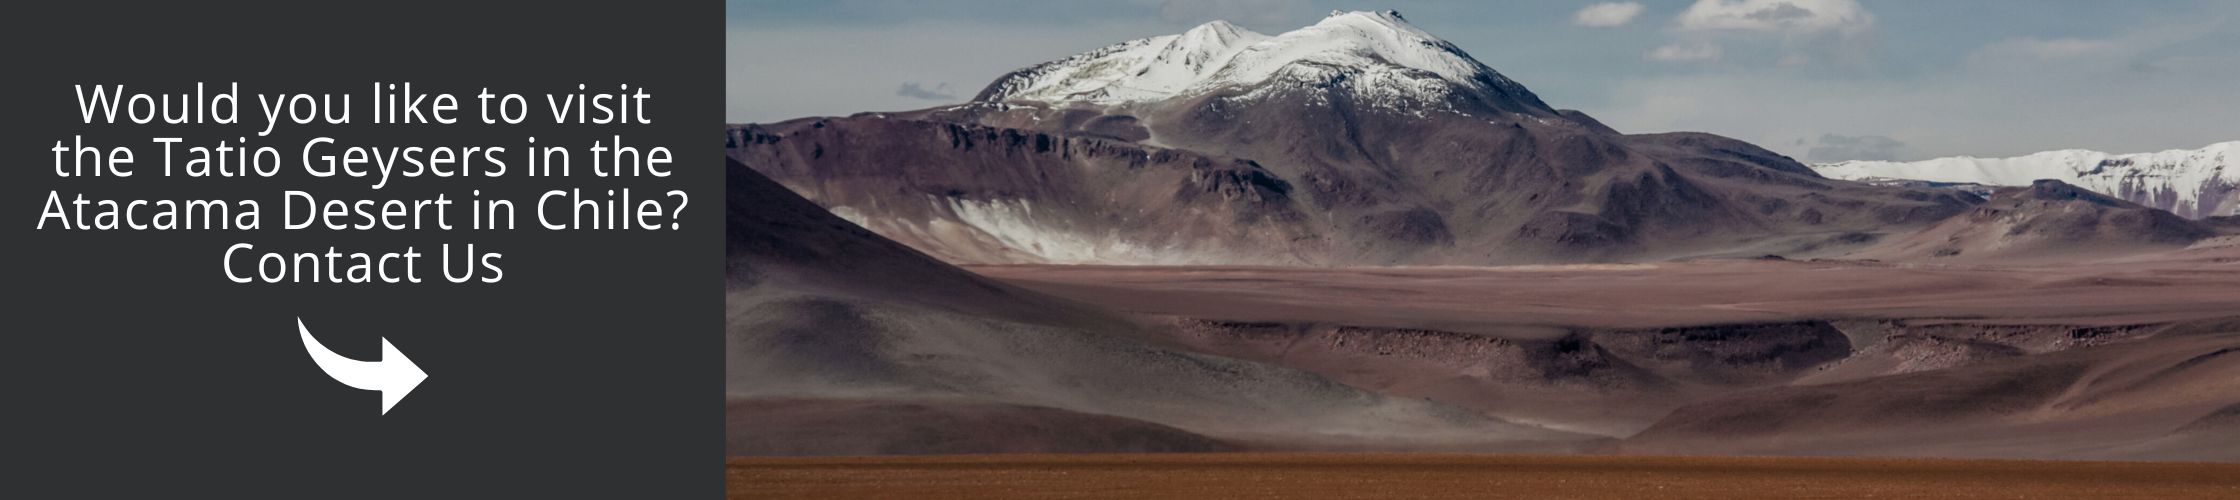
[775,73]
[2127,51]
[936,92]
[1686,52]
[1967,111]
[1607,14]
[1254,13]
[2031,49]
[1785,16]
[2153,87]
[1769,33]
[1832,148]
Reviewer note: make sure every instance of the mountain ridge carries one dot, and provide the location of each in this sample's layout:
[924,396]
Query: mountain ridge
[2049,218]
[2194,183]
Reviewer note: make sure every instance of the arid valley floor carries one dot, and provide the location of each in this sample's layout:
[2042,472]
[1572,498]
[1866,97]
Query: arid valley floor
[2122,359]
[2072,361]
[1363,476]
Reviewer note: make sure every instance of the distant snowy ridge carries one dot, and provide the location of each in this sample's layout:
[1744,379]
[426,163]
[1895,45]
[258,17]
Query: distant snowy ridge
[2194,183]
[1377,55]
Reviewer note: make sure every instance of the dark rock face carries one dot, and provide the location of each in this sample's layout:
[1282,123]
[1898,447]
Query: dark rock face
[1733,354]
[2053,190]
[972,193]
[1417,226]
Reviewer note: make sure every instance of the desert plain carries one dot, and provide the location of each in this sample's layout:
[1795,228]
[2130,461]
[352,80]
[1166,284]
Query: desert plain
[1364,476]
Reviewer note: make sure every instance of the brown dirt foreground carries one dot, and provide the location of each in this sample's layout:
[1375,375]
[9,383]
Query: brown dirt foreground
[1288,475]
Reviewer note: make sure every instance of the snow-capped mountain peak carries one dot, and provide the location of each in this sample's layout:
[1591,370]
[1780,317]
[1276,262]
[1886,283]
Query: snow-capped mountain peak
[2190,182]
[1193,55]
[1378,56]
[1354,40]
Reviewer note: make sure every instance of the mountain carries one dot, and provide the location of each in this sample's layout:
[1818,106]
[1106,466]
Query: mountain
[2047,219]
[839,341]
[2195,183]
[1359,140]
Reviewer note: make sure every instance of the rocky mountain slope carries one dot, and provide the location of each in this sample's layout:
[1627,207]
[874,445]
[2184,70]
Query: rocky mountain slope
[2195,183]
[2048,219]
[1360,140]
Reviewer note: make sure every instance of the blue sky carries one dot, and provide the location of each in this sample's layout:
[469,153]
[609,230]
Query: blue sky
[1815,79]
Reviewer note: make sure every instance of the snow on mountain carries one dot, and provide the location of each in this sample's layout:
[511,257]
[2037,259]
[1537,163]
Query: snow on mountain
[1378,56]
[2194,183]
[1136,70]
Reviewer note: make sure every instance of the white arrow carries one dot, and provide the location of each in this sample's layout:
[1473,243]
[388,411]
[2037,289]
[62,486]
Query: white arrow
[394,375]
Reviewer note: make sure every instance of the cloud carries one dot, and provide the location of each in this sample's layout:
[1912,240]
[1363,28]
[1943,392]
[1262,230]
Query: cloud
[2139,51]
[2061,53]
[2047,48]
[1776,33]
[1686,52]
[779,72]
[1253,13]
[1607,14]
[940,92]
[1985,112]
[1834,148]
[1782,16]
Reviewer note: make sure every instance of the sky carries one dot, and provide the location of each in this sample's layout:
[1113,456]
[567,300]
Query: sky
[1818,80]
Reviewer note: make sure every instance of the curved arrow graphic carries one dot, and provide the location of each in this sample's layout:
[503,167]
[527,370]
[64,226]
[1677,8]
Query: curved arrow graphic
[394,375]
